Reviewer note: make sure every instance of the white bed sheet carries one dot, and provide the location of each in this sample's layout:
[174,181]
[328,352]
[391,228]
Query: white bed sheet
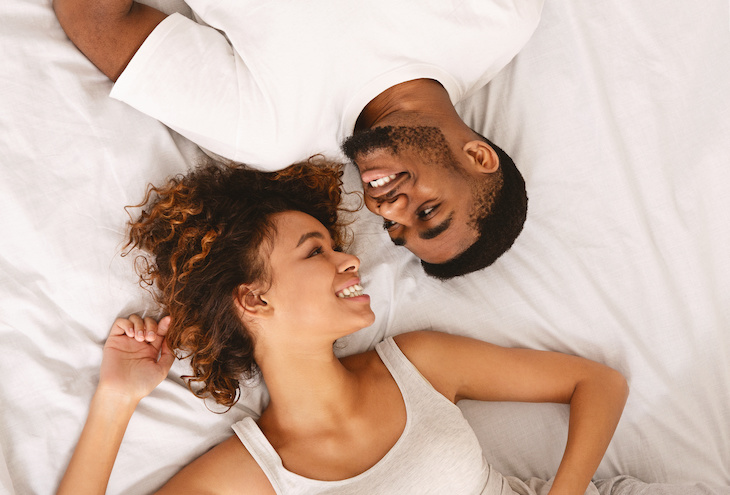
[618,114]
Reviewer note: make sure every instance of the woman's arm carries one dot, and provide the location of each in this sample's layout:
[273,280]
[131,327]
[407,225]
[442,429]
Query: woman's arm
[226,468]
[108,32]
[136,359]
[463,368]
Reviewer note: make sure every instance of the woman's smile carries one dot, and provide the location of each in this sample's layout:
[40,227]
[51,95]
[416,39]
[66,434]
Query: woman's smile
[352,289]
[308,269]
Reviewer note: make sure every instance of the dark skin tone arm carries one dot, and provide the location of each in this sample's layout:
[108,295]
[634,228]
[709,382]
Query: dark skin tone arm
[108,32]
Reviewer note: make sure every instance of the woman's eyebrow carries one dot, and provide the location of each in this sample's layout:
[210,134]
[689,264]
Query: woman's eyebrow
[309,235]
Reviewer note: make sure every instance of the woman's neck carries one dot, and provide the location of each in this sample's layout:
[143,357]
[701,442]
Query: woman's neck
[308,387]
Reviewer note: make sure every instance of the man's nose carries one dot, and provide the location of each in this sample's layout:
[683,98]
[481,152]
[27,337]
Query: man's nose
[395,209]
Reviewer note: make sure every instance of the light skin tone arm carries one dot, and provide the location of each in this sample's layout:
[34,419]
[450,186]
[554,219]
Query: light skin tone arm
[458,367]
[227,468]
[136,359]
[463,368]
[108,32]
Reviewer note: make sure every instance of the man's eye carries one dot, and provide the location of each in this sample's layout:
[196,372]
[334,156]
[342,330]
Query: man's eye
[315,252]
[389,224]
[426,212]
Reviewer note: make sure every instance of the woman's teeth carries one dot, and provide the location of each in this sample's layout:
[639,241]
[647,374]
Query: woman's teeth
[382,181]
[352,291]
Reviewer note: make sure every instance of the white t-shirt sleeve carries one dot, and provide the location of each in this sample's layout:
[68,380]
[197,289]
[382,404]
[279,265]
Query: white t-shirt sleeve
[189,77]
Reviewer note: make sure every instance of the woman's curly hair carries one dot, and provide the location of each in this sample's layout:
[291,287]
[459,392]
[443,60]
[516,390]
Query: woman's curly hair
[203,232]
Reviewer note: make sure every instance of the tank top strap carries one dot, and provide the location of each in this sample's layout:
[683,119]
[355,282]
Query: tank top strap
[261,450]
[414,387]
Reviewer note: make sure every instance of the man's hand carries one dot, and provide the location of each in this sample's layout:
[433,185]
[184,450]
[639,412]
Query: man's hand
[108,32]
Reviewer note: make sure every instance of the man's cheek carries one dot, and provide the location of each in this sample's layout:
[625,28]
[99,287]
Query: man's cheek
[371,205]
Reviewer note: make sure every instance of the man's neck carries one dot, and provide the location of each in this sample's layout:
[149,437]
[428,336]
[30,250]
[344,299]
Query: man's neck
[420,100]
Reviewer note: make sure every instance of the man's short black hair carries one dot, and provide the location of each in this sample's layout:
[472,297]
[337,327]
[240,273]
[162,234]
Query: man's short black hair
[497,228]
[394,138]
[497,216]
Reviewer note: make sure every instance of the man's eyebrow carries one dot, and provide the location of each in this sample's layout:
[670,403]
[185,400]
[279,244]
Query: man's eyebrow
[437,230]
[309,235]
[428,233]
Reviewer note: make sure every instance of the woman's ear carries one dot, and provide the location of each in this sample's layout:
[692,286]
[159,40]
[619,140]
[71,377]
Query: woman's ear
[251,303]
[483,156]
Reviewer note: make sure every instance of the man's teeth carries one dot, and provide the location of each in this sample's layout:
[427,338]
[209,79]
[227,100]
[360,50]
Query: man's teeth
[382,181]
[352,291]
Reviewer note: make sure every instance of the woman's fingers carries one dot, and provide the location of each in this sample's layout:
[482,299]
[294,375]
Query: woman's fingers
[138,328]
[142,330]
[160,332]
[150,329]
[167,357]
[163,326]
[145,329]
[122,326]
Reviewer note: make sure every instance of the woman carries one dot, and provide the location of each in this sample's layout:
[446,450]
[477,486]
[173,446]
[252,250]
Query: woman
[249,269]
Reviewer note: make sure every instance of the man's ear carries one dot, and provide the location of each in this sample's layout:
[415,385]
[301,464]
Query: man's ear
[483,156]
[251,303]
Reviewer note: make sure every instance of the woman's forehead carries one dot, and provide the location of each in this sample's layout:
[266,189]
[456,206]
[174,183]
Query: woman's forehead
[293,228]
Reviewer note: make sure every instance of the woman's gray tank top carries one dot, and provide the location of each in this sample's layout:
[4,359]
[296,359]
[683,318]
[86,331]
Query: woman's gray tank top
[437,453]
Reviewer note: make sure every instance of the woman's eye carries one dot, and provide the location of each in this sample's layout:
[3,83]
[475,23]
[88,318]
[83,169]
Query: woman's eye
[389,225]
[315,252]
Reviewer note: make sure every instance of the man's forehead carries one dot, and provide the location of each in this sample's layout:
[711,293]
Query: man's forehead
[381,152]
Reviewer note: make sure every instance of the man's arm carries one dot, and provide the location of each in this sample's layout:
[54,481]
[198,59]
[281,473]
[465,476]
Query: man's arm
[108,32]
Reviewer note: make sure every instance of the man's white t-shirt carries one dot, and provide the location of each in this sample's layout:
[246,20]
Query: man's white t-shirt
[270,83]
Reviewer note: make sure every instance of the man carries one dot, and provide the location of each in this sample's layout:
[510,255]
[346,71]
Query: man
[272,83]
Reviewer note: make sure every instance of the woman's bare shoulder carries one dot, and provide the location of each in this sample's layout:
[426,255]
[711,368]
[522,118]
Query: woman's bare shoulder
[226,468]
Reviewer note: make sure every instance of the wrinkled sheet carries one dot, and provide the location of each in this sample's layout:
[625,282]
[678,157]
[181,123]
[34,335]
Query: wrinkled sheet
[618,114]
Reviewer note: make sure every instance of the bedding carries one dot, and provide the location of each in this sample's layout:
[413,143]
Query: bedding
[617,114]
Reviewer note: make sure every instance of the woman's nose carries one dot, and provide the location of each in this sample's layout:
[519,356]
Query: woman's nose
[348,263]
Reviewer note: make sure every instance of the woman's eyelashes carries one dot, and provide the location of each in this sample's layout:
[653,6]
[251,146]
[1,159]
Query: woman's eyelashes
[320,249]
[315,252]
